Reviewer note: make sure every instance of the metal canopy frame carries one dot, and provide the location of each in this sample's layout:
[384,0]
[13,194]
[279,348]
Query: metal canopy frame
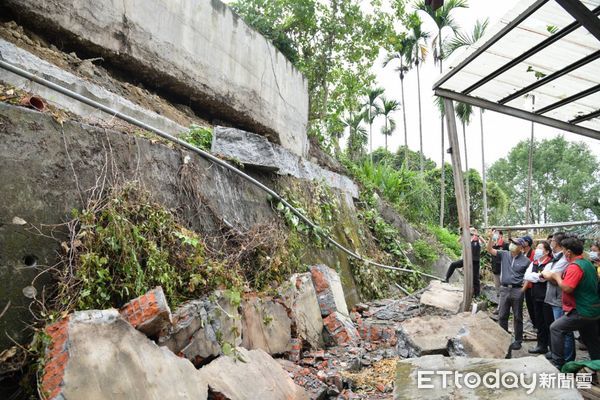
[583,17]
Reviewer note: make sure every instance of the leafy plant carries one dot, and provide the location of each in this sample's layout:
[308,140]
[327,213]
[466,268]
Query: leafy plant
[199,136]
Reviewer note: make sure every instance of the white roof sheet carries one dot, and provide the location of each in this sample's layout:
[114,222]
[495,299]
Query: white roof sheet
[533,30]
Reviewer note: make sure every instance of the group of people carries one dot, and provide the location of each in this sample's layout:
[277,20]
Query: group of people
[556,280]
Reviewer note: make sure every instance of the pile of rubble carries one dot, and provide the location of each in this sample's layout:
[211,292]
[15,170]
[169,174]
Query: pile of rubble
[302,343]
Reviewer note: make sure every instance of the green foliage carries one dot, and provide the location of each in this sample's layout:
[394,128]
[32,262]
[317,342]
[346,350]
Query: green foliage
[424,252]
[334,45]
[132,245]
[565,182]
[448,240]
[199,136]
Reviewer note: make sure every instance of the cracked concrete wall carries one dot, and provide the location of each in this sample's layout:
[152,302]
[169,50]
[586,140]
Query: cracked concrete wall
[196,50]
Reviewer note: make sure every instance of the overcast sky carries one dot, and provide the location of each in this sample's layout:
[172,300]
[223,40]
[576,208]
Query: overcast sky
[501,132]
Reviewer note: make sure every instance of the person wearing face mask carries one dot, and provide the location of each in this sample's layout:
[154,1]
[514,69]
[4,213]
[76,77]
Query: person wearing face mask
[537,286]
[512,268]
[554,294]
[580,302]
[528,252]
[499,244]
[594,255]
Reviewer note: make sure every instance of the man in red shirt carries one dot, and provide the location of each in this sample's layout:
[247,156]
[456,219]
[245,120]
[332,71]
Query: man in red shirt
[581,304]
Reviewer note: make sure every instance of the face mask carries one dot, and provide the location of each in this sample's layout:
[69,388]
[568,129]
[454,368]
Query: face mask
[512,247]
[538,254]
[594,256]
[495,237]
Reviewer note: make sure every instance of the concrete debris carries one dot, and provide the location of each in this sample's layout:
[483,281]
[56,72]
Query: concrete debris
[463,334]
[266,326]
[444,296]
[256,151]
[98,355]
[250,375]
[300,298]
[330,293]
[201,327]
[489,371]
[149,313]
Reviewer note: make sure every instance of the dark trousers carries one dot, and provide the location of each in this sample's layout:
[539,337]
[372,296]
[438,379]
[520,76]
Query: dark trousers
[529,301]
[542,311]
[511,298]
[588,330]
[459,264]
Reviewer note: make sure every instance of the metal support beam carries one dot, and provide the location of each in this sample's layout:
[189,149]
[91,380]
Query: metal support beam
[461,203]
[585,117]
[518,113]
[530,52]
[583,15]
[509,27]
[569,99]
[549,78]
[544,226]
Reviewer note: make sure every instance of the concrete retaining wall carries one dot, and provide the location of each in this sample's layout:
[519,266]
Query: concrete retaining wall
[47,169]
[193,50]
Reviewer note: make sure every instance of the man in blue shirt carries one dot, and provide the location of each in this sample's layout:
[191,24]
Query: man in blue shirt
[513,265]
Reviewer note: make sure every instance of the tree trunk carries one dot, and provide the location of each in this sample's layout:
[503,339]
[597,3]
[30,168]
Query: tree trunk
[386,122]
[370,134]
[421,161]
[443,176]
[468,193]
[404,116]
[485,205]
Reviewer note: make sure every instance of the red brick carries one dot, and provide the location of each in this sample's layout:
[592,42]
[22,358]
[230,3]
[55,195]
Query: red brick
[319,280]
[148,313]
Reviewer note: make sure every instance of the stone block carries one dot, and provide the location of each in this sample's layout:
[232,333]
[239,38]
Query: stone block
[256,151]
[149,313]
[98,355]
[200,51]
[266,325]
[463,334]
[201,327]
[299,297]
[330,293]
[490,371]
[443,296]
[250,375]
[341,329]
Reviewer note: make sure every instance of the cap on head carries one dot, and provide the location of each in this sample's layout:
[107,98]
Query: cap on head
[528,239]
[519,241]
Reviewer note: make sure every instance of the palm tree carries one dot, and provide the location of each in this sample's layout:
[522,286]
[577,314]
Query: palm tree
[402,54]
[357,136]
[460,40]
[389,106]
[464,112]
[442,17]
[372,110]
[418,52]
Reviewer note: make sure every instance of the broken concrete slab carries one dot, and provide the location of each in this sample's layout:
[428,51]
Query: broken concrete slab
[256,151]
[98,355]
[463,334]
[443,296]
[201,327]
[478,379]
[299,296]
[250,375]
[202,52]
[266,325]
[330,293]
[149,313]
[33,64]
